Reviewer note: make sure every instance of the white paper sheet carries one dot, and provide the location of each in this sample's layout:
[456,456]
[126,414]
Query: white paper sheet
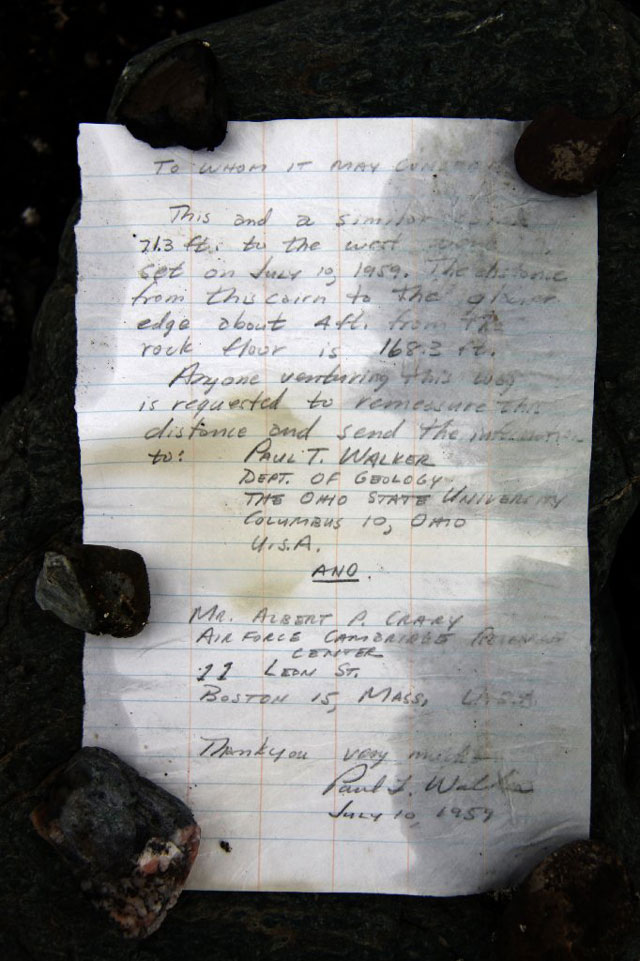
[335,384]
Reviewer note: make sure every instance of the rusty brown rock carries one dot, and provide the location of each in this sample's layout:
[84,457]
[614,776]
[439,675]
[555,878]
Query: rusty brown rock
[179,99]
[566,155]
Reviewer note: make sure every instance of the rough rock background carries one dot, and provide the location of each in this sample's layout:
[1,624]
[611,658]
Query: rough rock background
[299,58]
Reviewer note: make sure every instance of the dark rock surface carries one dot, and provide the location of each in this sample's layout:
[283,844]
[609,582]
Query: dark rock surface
[576,905]
[130,843]
[59,61]
[96,588]
[299,59]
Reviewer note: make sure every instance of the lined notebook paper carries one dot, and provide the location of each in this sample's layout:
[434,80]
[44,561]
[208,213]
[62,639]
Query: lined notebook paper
[335,384]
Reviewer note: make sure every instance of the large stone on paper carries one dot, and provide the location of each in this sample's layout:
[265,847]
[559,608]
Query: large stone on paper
[296,59]
[130,843]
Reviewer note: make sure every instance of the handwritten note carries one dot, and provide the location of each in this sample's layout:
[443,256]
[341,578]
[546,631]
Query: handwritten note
[335,384]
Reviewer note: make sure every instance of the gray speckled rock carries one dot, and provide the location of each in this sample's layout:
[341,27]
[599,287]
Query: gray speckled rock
[303,59]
